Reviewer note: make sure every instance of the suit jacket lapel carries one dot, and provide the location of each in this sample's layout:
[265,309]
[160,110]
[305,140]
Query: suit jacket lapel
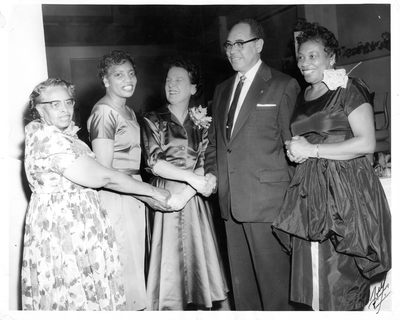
[250,102]
[224,109]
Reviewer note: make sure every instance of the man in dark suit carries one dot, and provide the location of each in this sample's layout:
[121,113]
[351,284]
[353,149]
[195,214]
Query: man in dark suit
[246,160]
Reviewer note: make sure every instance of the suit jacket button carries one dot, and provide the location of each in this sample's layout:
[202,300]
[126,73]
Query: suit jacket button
[229,150]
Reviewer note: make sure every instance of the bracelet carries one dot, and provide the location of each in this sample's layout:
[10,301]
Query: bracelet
[317,151]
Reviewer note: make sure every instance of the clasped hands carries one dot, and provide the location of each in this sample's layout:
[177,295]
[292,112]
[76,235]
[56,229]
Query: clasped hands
[204,185]
[166,202]
[298,149]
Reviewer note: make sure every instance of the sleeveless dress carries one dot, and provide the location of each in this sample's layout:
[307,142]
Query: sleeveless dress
[70,258]
[185,263]
[127,214]
[335,215]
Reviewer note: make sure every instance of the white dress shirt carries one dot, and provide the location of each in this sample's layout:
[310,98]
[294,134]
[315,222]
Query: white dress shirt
[246,86]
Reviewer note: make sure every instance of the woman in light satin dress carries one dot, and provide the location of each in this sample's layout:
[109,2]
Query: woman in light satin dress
[186,270]
[115,137]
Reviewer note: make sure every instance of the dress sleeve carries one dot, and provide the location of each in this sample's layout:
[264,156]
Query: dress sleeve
[356,94]
[52,149]
[102,123]
[49,152]
[153,140]
[59,162]
[64,150]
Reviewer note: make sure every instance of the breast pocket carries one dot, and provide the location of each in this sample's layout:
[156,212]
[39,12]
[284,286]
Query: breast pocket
[266,105]
[263,119]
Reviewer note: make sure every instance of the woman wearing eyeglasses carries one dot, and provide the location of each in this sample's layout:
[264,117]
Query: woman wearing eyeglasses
[70,257]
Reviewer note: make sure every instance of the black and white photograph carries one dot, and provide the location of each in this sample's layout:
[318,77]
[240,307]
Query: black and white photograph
[211,160]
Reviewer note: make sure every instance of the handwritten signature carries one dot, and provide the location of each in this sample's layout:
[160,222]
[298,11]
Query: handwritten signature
[378,295]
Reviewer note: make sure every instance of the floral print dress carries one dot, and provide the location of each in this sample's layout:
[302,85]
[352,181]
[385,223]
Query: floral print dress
[70,258]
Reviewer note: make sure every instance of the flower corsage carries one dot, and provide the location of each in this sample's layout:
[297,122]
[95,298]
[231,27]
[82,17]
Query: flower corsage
[199,117]
[335,78]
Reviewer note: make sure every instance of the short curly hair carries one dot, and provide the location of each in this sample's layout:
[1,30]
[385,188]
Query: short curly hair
[115,57]
[316,33]
[36,96]
[193,71]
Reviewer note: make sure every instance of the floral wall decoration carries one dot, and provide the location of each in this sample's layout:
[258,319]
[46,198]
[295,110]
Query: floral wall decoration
[362,48]
[368,46]
[289,61]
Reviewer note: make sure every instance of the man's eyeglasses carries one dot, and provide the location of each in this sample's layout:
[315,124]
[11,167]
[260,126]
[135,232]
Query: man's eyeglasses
[56,104]
[238,44]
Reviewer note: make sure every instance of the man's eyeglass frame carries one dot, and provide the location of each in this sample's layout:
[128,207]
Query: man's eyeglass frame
[238,44]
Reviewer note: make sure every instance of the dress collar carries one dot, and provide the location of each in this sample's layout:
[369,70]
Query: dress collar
[71,130]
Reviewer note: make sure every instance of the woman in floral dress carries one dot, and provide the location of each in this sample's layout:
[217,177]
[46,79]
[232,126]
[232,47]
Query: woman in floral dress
[70,258]
[185,264]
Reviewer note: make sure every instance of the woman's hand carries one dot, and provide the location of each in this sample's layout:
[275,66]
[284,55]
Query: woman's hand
[298,149]
[168,171]
[154,204]
[161,195]
[211,183]
[199,183]
[177,202]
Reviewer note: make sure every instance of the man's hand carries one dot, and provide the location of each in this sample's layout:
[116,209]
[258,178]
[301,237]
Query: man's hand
[211,184]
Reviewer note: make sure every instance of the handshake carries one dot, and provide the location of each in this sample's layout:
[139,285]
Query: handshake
[168,202]
[210,185]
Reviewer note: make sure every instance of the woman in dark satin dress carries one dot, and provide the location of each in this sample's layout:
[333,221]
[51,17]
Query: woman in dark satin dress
[185,265]
[335,219]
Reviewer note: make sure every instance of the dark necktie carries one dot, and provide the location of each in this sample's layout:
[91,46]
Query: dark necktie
[232,109]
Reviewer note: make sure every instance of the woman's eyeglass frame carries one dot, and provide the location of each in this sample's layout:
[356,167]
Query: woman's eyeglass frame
[237,44]
[56,104]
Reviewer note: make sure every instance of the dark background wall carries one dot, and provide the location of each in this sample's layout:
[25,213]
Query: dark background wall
[77,36]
